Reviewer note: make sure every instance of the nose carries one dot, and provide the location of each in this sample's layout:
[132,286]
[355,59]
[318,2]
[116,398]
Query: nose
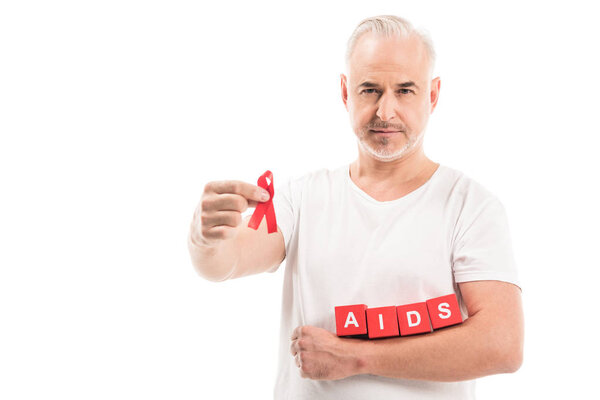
[387,107]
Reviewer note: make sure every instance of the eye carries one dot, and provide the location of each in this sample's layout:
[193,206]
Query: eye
[405,91]
[368,91]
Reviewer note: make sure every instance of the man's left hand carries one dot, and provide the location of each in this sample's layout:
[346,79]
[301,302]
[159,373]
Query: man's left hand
[321,355]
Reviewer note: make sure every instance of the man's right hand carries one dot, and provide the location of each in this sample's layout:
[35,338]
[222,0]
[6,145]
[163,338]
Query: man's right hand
[219,213]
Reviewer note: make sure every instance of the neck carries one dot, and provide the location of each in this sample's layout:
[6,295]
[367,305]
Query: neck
[368,169]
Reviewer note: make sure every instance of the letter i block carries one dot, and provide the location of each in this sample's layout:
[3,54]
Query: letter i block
[444,311]
[351,320]
[382,322]
[413,319]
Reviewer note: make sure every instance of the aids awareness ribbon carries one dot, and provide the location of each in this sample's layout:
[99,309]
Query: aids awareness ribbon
[265,209]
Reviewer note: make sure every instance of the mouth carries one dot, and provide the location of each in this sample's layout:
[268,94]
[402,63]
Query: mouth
[384,131]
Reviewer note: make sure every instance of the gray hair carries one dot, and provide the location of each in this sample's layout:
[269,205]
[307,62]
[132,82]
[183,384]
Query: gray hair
[390,25]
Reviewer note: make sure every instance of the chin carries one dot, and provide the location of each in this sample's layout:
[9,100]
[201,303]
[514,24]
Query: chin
[385,155]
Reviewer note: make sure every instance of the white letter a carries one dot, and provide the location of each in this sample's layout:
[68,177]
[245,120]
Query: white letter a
[351,319]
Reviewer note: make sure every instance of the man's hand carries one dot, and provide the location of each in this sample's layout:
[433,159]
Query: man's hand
[219,213]
[221,245]
[321,355]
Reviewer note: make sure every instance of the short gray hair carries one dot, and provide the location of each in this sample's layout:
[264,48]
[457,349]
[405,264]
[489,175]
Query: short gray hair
[390,25]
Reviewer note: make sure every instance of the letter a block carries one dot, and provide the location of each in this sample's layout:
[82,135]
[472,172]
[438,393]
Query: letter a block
[351,320]
[444,311]
[383,322]
[413,319]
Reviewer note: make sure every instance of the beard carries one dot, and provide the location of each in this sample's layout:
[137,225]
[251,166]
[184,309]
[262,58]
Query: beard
[383,148]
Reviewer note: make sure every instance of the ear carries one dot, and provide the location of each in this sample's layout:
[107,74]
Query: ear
[344,83]
[435,92]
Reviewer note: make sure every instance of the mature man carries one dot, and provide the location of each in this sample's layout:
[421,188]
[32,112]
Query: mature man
[391,228]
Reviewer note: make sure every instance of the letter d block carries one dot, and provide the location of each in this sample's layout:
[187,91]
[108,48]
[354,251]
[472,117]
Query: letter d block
[351,320]
[444,311]
[382,322]
[413,319]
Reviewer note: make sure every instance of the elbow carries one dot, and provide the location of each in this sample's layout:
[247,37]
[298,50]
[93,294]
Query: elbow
[514,350]
[510,356]
[502,353]
[513,360]
[505,346]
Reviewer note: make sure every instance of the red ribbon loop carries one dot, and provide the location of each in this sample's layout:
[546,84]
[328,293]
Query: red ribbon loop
[266,209]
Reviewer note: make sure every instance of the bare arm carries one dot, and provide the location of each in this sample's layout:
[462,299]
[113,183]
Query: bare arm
[489,342]
[221,245]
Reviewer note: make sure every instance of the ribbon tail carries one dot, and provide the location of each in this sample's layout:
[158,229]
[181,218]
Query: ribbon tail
[257,216]
[271,221]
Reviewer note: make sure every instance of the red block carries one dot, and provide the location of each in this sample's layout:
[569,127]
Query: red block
[351,320]
[382,321]
[413,319]
[444,311]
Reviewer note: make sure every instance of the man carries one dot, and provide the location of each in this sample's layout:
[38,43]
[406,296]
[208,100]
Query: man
[391,228]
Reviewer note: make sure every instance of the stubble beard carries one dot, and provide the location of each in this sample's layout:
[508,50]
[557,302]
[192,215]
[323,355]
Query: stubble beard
[382,150]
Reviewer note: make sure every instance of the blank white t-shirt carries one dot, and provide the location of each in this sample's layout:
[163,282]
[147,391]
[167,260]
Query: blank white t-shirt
[344,247]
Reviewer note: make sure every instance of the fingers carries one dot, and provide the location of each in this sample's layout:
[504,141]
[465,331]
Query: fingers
[316,355]
[216,218]
[247,190]
[300,342]
[224,202]
[295,338]
[295,349]
[297,333]
[219,212]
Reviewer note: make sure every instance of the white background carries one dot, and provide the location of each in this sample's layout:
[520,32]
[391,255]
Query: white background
[114,114]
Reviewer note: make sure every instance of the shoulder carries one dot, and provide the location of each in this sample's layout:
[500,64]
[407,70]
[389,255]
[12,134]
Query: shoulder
[471,204]
[463,189]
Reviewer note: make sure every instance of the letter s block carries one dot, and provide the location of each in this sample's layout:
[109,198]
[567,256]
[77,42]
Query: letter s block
[351,320]
[413,319]
[444,311]
[382,322]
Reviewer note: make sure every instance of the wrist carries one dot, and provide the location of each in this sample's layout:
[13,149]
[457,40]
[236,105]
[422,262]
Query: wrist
[358,351]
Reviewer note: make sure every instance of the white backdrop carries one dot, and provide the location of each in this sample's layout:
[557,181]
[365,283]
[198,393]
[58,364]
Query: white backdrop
[114,114]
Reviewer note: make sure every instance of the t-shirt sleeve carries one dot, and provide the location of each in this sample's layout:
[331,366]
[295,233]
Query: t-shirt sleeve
[483,248]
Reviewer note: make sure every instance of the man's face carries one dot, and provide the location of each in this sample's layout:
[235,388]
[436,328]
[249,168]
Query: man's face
[389,95]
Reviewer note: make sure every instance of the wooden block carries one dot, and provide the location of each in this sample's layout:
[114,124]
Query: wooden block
[413,319]
[382,322]
[351,320]
[444,311]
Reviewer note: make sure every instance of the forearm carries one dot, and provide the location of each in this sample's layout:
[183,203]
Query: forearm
[462,352]
[489,342]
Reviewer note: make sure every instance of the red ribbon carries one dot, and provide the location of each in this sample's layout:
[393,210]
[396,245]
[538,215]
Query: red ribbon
[266,208]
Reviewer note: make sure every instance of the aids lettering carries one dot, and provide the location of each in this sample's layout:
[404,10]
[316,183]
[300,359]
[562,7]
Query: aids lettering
[360,321]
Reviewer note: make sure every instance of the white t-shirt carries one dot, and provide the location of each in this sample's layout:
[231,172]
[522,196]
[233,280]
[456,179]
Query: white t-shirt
[344,247]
